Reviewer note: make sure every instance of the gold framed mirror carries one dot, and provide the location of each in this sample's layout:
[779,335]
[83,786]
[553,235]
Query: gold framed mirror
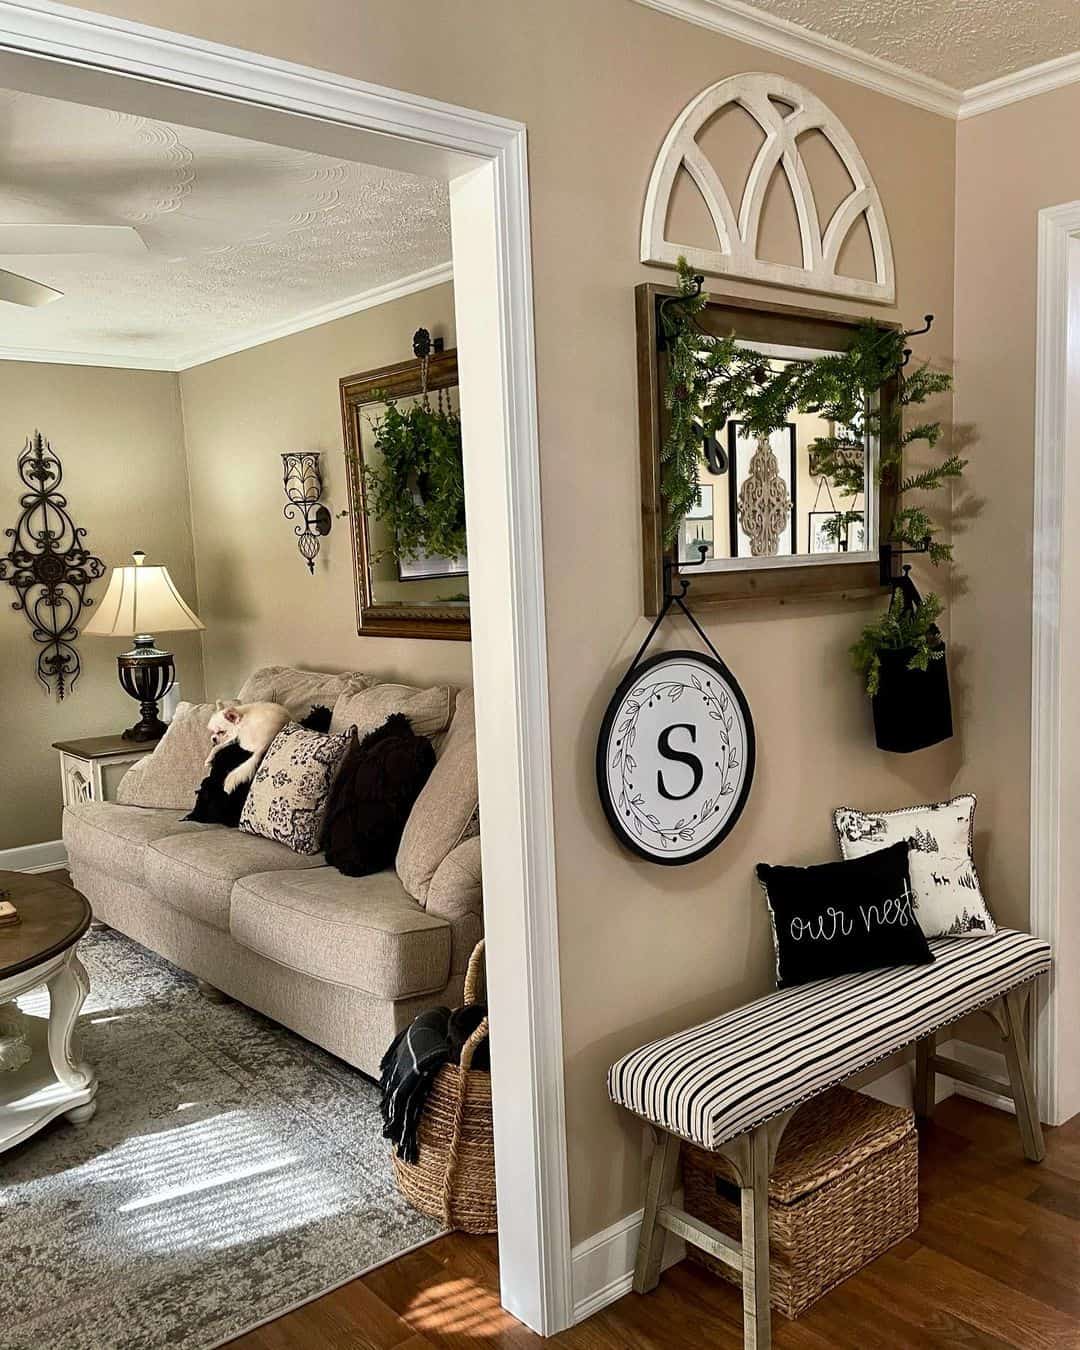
[402,589]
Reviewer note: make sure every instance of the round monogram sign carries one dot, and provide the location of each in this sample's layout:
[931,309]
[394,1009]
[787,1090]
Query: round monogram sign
[675,758]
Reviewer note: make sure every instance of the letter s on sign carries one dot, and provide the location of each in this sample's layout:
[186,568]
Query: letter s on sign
[665,748]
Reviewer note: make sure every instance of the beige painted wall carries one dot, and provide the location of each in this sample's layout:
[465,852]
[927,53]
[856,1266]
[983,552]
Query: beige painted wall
[118,434]
[259,602]
[1010,164]
[643,949]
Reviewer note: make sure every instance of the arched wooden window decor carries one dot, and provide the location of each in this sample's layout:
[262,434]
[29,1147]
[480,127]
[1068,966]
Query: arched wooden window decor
[784,111]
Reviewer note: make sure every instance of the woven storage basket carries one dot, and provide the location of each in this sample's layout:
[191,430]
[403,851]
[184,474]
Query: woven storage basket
[453,1178]
[844,1189]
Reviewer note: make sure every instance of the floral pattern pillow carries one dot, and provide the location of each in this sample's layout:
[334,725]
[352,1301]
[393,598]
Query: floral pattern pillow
[291,788]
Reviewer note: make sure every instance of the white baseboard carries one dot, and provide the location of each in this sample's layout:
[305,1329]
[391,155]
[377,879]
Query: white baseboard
[603,1265]
[34,857]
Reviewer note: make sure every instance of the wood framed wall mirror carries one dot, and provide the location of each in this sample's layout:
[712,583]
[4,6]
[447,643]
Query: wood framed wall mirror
[828,545]
[401,590]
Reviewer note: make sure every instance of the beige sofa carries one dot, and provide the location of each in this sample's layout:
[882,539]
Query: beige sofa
[344,961]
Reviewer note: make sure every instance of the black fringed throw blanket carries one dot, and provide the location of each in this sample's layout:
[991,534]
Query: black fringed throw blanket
[409,1067]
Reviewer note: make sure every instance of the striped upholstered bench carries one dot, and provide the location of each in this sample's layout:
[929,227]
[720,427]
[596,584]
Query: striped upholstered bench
[732,1084]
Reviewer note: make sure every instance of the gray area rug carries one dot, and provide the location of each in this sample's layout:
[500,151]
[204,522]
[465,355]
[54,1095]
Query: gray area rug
[232,1171]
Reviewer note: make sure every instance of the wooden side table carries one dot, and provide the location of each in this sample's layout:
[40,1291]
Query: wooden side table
[50,1079]
[83,764]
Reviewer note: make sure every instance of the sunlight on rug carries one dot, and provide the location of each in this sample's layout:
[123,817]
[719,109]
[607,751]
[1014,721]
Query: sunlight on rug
[233,1170]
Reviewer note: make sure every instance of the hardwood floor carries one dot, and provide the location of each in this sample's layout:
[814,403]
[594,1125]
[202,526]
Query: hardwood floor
[995,1264]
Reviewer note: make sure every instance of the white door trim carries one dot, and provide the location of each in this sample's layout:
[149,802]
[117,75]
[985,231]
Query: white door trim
[106,59]
[1057,225]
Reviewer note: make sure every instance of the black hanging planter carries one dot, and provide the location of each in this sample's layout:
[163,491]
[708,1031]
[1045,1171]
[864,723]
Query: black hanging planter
[912,708]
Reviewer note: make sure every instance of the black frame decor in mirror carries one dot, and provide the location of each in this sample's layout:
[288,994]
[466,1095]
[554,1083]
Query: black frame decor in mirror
[767,571]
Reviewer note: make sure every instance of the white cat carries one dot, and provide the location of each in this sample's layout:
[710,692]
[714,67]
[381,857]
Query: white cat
[251,726]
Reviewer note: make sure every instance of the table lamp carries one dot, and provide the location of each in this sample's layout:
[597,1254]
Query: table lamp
[139,599]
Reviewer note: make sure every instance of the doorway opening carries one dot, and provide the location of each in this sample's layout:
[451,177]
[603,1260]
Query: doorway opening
[139,72]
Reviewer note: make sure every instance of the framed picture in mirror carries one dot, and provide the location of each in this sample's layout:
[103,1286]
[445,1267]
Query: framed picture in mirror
[404,587]
[773,524]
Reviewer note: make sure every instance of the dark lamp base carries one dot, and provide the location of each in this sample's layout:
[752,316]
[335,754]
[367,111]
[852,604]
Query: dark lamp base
[149,727]
[147,675]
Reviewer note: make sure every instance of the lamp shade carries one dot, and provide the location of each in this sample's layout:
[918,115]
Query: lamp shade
[140,600]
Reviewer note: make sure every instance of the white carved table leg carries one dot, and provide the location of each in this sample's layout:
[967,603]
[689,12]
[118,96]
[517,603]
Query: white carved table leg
[67,992]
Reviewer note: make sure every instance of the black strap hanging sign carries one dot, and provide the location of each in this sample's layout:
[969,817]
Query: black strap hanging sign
[675,758]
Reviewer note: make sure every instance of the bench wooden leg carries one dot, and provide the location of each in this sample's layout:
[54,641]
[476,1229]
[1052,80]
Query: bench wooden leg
[757,1313]
[1020,1075]
[650,1251]
[925,1077]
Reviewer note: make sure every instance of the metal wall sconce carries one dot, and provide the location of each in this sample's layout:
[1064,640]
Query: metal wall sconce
[302,480]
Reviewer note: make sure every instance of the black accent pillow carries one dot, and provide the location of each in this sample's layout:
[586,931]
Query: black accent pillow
[318,719]
[841,917]
[213,805]
[379,780]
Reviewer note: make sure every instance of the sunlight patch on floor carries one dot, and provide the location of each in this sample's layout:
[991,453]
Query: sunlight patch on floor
[458,1307]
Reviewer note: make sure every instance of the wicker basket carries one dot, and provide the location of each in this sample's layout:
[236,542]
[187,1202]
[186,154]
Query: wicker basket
[845,1188]
[453,1178]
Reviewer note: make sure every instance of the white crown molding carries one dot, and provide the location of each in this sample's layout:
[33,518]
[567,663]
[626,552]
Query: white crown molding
[1020,85]
[53,356]
[312,318]
[760,29]
[743,22]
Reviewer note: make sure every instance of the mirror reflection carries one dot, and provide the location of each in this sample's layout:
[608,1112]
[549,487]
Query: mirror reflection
[779,499]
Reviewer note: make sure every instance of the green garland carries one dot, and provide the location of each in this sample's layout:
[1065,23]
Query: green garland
[418,490]
[711,380]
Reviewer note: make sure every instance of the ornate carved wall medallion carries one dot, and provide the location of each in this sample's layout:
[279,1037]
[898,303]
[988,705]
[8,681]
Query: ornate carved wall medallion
[764,502]
[675,759]
[48,567]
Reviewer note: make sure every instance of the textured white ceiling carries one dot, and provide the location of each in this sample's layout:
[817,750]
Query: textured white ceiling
[241,237]
[961,42]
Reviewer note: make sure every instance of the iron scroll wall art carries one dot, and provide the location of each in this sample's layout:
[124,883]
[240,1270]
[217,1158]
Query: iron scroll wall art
[676,753]
[49,567]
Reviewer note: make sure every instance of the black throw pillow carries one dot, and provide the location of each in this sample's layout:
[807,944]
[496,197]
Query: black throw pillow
[213,805]
[318,719]
[842,917]
[375,789]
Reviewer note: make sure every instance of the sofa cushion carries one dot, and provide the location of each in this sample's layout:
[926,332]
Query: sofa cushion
[446,810]
[112,837]
[196,874]
[170,777]
[300,690]
[363,932]
[428,710]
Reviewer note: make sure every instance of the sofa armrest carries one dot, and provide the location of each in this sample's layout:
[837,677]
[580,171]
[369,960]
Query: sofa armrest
[456,888]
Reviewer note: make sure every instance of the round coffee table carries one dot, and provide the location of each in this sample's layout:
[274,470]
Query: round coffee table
[40,950]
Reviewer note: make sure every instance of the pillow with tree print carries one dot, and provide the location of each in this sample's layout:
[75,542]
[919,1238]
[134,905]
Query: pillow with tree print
[948,898]
[291,789]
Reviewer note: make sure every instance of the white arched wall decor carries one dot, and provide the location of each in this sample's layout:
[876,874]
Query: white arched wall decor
[784,111]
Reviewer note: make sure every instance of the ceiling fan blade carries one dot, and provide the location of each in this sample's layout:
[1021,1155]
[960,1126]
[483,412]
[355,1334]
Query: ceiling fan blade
[18,290]
[49,239]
